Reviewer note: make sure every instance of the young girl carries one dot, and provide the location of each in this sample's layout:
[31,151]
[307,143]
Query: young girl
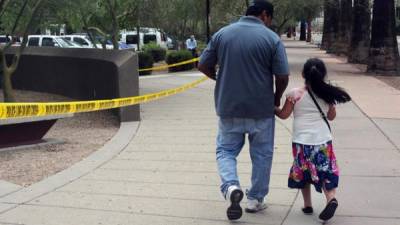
[314,159]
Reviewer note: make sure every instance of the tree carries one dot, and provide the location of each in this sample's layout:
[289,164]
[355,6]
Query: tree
[9,69]
[384,53]
[285,14]
[288,12]
[303,32]
[360,37]
[310,10]
[342,43]
[331,24]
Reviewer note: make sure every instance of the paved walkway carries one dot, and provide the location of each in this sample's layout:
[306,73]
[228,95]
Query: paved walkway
[167,173]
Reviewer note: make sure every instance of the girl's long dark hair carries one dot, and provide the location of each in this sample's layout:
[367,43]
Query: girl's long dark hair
[314,73]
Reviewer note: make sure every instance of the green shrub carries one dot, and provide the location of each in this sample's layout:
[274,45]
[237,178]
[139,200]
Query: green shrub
[177,57]
[145,61]
[156,51]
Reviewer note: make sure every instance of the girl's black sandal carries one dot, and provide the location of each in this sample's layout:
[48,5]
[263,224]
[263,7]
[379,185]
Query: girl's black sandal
[308,210]
[329,210]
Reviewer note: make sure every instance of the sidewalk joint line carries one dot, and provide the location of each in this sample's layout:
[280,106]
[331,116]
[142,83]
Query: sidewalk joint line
[370,217]
[378,127]
[196,162]
[154,197]
[373,176]
[159,183]
[213,173]
[12,192]
[176,171]
[136,213]
[5,223]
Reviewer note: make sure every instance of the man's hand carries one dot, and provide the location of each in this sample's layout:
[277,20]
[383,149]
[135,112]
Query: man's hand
[277,100]
[281,82]
[208,71]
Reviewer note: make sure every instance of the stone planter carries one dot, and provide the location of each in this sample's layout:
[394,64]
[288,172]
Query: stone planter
[26,131]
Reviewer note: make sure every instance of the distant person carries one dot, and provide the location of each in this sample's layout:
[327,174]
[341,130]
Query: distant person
[191,45]
[314,158]
[250,57]
[294,33]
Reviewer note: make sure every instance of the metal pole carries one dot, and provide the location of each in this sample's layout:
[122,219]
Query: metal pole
[208,19]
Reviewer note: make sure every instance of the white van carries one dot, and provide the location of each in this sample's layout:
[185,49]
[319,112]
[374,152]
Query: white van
[130,38]
[49,41]
[160,38]
[147,35]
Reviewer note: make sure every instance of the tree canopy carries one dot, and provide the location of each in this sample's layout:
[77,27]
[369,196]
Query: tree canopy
[179,18]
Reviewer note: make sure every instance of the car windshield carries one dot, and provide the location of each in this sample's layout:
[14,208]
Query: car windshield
[64,43]
[72,43]
[3,39]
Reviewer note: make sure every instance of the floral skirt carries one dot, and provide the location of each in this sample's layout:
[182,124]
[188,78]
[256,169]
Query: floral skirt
[314,164]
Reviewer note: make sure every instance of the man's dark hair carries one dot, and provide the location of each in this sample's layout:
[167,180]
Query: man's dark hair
[256,8]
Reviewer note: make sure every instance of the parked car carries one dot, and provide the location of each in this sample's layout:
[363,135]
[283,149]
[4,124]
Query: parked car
[122,45]
[83,40]
[4,39]
[49,41]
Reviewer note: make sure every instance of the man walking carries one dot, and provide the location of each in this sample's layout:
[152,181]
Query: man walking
[249,56]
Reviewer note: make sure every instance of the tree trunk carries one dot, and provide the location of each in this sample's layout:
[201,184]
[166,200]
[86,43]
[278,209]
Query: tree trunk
[247,3]
[331,25]
[112,5]
[138,37]
[303,31]
[345,23]
[289,32]
[7,87]
[3,6]
[85,28]
[309,30]
[9,70]
[360,38]
[384,53]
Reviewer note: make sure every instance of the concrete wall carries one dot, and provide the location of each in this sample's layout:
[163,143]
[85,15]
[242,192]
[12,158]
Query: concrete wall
[82,74]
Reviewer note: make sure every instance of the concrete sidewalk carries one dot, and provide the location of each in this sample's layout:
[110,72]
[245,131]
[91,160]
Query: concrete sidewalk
[167,173]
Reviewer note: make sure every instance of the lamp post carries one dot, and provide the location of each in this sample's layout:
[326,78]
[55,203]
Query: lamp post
[208,19]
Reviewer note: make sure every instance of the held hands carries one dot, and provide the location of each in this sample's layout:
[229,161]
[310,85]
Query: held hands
[286,110]
[277,110]
[277,100]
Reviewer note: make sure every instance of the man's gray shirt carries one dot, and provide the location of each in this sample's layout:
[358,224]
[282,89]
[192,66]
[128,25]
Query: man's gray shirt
[248,54]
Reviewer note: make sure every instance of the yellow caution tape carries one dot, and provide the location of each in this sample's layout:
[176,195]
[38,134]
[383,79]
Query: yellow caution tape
[19,110]
[171,65]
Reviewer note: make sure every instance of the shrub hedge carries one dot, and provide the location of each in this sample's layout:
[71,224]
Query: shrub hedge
[145,61]
[177,57]
[156,51]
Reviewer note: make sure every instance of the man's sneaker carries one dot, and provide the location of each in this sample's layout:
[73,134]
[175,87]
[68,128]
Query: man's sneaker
[234,195]
[254,206]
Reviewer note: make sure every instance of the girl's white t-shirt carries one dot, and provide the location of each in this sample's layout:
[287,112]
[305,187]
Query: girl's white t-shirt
[309,128]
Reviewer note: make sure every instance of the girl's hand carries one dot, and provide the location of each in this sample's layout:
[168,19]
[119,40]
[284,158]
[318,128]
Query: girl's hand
[331,112]
[277,110]
[285,112]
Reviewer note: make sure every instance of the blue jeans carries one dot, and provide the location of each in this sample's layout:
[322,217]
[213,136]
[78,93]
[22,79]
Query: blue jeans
[230,140]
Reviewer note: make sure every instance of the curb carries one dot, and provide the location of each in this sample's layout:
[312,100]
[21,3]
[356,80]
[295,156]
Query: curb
[112,148]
